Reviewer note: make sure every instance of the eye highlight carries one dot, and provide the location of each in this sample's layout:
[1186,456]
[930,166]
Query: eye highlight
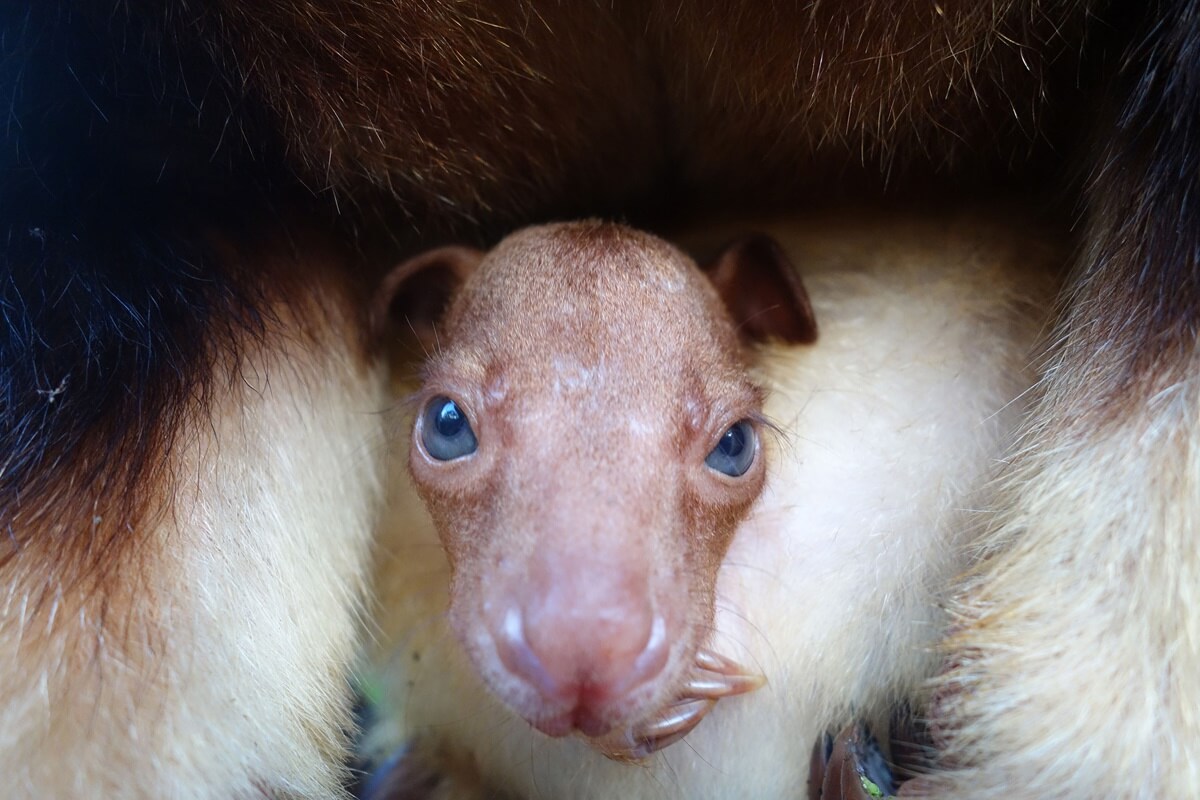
[735,450]
[445,430]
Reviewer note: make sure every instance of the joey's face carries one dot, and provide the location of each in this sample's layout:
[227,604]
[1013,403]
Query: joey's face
[587,441]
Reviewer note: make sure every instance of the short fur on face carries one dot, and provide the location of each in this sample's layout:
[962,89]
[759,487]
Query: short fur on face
[598,368]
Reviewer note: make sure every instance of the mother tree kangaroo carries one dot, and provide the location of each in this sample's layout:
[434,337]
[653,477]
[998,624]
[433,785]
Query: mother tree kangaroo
[198,199]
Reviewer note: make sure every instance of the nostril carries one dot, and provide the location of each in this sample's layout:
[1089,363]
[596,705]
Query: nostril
[515,653]
[633,651]
[653,657]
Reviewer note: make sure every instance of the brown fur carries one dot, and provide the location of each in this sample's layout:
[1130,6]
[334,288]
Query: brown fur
[608,101]
[474,74]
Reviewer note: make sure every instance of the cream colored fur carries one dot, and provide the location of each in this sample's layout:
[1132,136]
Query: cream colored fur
[229,664]
[891,424]
[1079,645]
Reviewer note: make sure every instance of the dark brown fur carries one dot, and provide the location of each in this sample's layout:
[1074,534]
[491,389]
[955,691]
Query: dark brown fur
[611,103]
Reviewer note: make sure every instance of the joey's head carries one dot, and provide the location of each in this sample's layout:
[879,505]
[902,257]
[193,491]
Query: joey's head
[587,440]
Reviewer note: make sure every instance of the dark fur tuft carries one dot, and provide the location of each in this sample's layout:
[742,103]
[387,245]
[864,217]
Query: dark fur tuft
[1133,319]
[112,303]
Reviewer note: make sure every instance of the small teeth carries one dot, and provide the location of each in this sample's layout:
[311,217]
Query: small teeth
[715,677]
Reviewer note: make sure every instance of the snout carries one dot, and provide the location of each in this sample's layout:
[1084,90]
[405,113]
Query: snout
[585,635]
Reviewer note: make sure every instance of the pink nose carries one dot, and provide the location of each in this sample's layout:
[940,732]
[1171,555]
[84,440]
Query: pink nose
[581,656]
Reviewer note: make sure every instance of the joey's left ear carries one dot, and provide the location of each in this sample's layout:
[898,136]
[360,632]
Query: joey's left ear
[763,291]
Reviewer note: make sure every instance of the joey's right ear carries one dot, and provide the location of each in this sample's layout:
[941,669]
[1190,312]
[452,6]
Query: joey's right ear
[415,295]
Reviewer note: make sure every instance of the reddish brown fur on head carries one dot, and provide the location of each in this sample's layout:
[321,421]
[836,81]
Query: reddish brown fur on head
[598,368]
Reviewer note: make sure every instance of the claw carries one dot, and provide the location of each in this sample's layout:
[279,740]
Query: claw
[671,725]
[725,678]
[715,677]
[708,660]
[678,718]
[725,686]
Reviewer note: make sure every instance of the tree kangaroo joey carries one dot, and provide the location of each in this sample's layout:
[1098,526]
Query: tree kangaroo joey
[657,488]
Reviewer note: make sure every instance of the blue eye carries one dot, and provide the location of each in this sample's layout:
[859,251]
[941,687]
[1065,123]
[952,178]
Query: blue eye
[734,452]
[446,432]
